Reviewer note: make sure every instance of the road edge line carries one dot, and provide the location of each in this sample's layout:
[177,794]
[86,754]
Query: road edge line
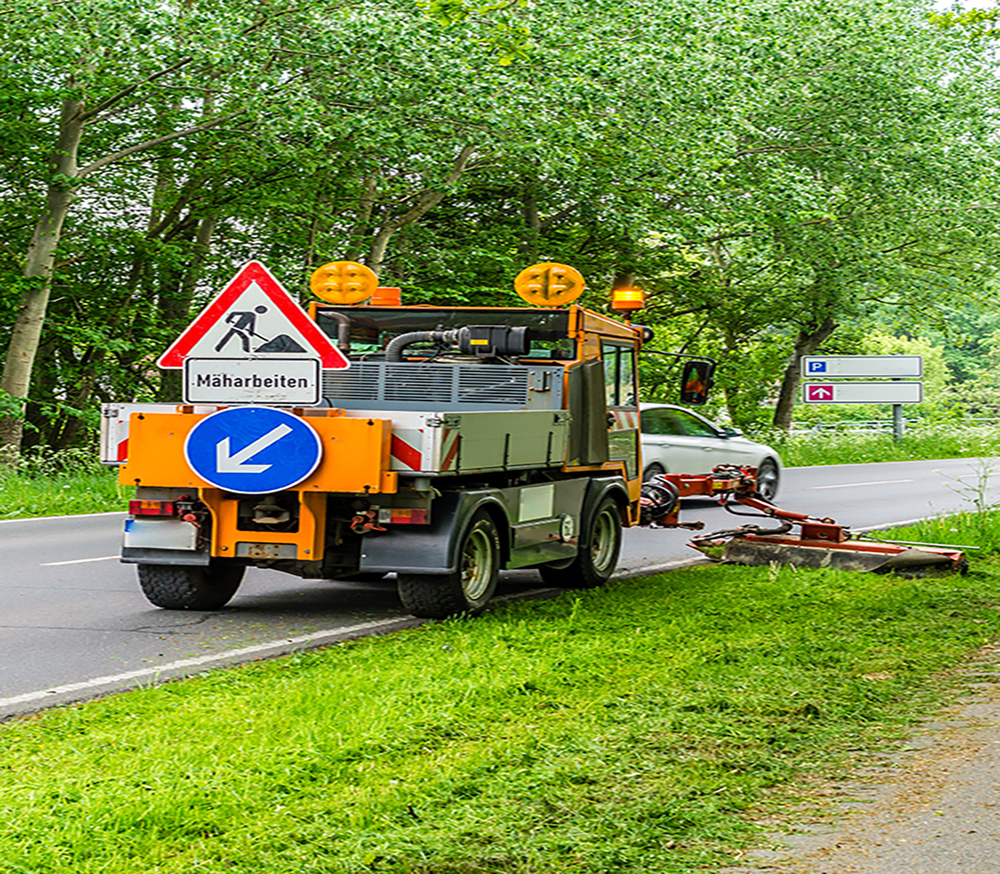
[333,635]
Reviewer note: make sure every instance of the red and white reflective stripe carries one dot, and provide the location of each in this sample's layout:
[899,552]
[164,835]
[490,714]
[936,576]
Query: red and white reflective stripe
[626,420]
[449,448]
[122,454]
[406,455]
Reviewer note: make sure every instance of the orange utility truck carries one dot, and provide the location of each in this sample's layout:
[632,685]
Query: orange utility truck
[361,437]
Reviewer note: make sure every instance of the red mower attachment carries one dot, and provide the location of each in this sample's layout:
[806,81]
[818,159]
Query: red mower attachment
[820,542]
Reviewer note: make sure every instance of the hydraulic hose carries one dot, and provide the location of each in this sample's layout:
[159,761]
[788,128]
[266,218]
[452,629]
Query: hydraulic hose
[394,348]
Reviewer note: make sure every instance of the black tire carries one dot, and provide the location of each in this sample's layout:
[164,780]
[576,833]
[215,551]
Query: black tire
[654,469]
[768,479]
[600,546]
[190,587]
[469,589]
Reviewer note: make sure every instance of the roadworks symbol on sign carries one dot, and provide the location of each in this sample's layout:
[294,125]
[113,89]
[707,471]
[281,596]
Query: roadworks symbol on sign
[253,317]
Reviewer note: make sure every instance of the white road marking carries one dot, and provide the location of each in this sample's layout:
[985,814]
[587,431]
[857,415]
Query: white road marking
[198,661]
[881,482]
[78,560]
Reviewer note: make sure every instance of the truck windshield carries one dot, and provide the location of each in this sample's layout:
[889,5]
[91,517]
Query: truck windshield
[372,327]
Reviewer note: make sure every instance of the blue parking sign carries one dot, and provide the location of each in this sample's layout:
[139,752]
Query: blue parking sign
[253,450]
[817,367]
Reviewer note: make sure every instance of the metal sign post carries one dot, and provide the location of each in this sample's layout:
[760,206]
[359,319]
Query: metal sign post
[852,367]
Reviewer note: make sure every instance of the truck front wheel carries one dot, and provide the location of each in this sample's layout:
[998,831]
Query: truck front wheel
[190,587]
[597,559]
[467,590]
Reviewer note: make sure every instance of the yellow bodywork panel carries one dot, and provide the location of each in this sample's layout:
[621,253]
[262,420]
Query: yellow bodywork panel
[355,454]
[355,460]
[226,537]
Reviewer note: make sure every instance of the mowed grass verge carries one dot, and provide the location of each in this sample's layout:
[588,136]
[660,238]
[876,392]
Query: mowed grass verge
[628,729]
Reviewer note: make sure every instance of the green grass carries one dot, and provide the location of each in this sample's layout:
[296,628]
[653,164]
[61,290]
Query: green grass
[47,483]
[859,447]
[627,729]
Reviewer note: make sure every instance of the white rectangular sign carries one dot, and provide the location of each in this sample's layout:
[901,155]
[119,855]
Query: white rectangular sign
[852,366]
[863,393]
[279,381]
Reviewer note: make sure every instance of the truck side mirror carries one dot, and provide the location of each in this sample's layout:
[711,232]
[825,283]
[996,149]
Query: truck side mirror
[696,381]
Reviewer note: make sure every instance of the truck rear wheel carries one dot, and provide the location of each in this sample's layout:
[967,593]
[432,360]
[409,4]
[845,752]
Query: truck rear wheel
[600,545]
[467,590]
[190,587]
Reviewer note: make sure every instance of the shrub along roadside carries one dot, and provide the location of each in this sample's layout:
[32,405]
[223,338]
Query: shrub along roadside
[925,442]
[623,729]
[46,483]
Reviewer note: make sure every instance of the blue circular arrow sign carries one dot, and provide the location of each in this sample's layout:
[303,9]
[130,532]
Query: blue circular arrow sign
[253,450]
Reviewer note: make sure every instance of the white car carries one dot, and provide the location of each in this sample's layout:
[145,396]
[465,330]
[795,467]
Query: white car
[675,440]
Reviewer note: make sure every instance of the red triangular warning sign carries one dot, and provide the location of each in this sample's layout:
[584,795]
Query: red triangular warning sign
[253,317]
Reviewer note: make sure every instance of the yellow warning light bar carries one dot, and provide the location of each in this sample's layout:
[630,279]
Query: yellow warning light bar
[627,299]
[549,284]
[343,282]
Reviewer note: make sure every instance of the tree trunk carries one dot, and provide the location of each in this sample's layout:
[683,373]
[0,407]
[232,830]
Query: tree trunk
[425,202]
[805,344]
[624,278]
[175,297]
[39,263]
[362,217]
[532,223]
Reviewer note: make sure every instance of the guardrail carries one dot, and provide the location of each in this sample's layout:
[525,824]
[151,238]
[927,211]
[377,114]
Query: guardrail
[877,426]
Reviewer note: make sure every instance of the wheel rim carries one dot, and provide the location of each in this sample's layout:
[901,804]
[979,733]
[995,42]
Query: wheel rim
[606,530]
[767,480]
[477,567]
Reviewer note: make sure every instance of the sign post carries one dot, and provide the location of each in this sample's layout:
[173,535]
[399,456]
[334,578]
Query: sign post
[898,422]
[853,367]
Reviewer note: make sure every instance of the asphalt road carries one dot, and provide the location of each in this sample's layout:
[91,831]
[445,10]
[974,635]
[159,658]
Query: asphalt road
[73,623]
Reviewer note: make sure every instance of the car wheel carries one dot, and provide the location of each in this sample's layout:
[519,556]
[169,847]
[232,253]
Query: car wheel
[768,479]
[654,469]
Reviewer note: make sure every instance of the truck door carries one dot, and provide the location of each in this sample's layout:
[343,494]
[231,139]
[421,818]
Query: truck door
[621,388]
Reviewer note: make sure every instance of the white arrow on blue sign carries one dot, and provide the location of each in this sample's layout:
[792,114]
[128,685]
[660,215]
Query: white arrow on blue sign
[253,450]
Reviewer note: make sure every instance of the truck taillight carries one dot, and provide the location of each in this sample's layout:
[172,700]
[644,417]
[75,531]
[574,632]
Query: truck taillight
[152,508]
